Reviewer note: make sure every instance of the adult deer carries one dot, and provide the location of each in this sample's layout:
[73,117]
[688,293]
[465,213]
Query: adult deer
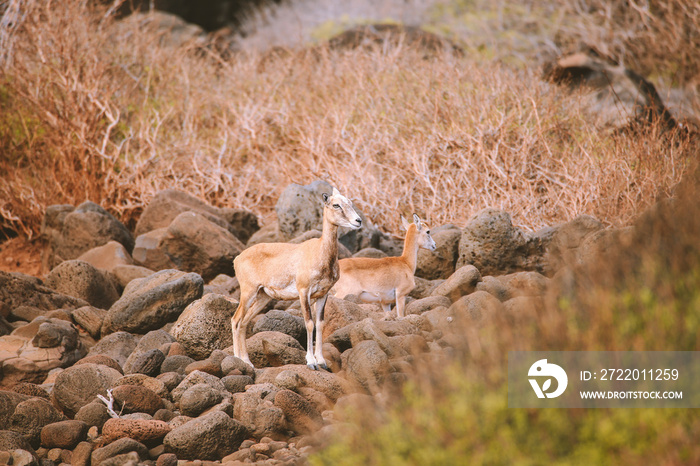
[388,279]
[289,271]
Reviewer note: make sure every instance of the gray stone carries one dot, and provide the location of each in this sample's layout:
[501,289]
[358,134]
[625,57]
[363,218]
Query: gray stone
[372,253]
[433,265]
[147,363]
[86,227]
[420,306]
[565,246]
[198,398]
[107,256]
[194,378]
[30,416]
[261,417]
[17,290]
[148,348]
[176,363]
[124,274]
[205,325]
[476,306]
[460,283]
[118,447]
[56,332]
[151,302]
[282,321]
[368,365]
[83,281]
[13,441]
[237,383]
[209,437]
[79,385]
[89,318]
[494,246]
[63,434]
[267,349]
[93,414]
[118,346]
[302,417]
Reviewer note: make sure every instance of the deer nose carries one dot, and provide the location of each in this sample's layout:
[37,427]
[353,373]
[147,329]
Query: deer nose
[358,220]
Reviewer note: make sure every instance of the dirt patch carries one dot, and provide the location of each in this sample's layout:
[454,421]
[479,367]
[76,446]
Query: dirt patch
[21,255]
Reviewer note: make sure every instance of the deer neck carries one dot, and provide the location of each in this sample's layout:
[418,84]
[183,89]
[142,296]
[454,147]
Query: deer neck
[329,241]
[410,247]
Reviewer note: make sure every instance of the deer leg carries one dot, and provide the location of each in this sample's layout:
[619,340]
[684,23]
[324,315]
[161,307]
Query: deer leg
[239,348]
[309,322]
[400,305]
[320,307]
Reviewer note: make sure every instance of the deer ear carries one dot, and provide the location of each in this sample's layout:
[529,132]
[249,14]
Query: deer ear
[416,220]
[404,223]
[325,198]
[336,192]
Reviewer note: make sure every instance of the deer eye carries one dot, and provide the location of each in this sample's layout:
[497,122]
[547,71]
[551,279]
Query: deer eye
[336,206]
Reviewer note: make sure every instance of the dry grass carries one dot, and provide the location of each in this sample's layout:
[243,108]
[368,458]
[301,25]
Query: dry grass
[90,114]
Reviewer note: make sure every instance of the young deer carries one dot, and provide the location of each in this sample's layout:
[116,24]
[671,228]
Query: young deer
[288,271]
[388,279]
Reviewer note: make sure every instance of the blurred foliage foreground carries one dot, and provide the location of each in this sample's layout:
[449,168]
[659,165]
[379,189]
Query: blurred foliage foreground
[643,295]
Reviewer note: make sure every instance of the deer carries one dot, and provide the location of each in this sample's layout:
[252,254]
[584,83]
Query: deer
[388,279]
[305,271]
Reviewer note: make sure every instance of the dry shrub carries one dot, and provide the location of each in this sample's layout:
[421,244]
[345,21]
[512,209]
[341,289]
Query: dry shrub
[89,113]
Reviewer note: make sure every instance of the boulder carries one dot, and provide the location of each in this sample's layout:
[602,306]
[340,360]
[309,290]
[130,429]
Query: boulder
[93,414]
[118,346]
[81,454]
[367,364]
[155,385]
[108,256]
[237,383]
[169,203]
[331,385]
[270,349]
[433,265]
[525,283]
[176,363]
[494,246]
[63,434]
[281,321]
[124,274]
[119,447]
[462,282]
[208,437]
[13,441]
[141,430]
[19,290]
[302,417]
[194,378]
[194,244]
[151,302]
[565,246]
[148,348]
[31,389]
[71,234]
[341,312]
[79,385]
[475,307]
[198,398]
[136,399]
[261,417]
[205,325]
[30,416]
[496,287]
[419,306]
[372,253]
[89,318]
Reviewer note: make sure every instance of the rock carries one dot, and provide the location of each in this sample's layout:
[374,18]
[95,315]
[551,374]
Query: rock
[237,383]
[372,253]
[18,290]
[282,321]
[137,399]
[207,365]
[125,459]
[153,340]
[440,263]
[424,287]
[302,417]
[13,441]
[167,459]
[149,303]
[85,228]
[195,378]
[125,274]
[270,349]
[205,325]
[194,244]
[496,287]
[31,389]
[494,246]
[339,313]
[261,417]
[56,332]
[327,383]
[93,414]
[63,434]
[141,430]
[525,283]
[565,246]
[420,306]
[147,363]
[176,363]
[90,318]
[117,346]
[368,365]
[460,283]
[299,208]
[107,256]
[166,205]
[170,379]
[198,398]
[367,330]
[81,454]
[157,386]
[30,416]
[232,363]
[78,385]
[209,437]
[410,344]
[475,306]
[118,447]
[267,234]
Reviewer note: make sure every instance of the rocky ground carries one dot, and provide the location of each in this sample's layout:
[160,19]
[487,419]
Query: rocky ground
[122,353]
